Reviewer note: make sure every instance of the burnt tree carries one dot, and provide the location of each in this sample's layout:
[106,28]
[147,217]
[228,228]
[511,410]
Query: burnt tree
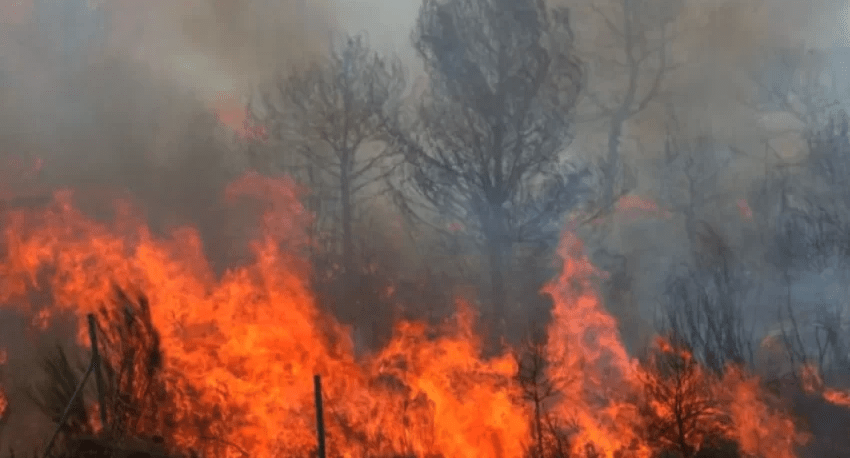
[334,116]
[640,35]
[486,144]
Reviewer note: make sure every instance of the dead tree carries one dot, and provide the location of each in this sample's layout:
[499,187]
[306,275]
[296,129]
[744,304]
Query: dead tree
[538,387]
[486,143]
[705,296]
[682,411]
[334,115]
[640,33]
[809,237]
[704,308]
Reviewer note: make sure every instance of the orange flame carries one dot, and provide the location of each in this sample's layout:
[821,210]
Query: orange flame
[759,430]
[597,373]
[238,119]
[243,346]
[4,403]
[812,383]
[745,210]
[636,206]
[4,400]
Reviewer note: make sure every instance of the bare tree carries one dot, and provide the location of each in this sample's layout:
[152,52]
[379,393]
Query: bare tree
[705,295]
[538,387]
[691,415]
[810,238]
[334,115]
[828,162]
[705,309]
[624,79]
[486,144]
[791,81]
[632,78]
[693,171]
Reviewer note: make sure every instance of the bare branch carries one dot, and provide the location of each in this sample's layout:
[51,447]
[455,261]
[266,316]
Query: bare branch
[611,26]
[498,117]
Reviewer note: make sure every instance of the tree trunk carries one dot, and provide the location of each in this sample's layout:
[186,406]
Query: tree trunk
[497,280]
[538,422]
[612,161]
[496,258]
[347,216]
[350,301]
[353,298]
[312,229]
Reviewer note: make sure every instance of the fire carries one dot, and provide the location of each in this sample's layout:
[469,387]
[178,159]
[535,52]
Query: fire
[745,210]
[759,430]
[4,400]
[812,383]
[4,404]
[636,206]
[250,341]
[837,397]
[597,373]
[239,350]
[237,118]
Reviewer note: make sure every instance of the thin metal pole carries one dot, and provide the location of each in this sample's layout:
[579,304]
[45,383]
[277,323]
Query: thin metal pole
[320,419]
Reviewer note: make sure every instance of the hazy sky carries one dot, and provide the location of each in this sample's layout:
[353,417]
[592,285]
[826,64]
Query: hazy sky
[220,48]
[388,24]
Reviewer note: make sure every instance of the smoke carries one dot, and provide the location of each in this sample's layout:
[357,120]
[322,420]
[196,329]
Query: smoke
[718,50]
[130,98]
[132,95]
[120,98]
[133,106]
[722,47]
[253,37]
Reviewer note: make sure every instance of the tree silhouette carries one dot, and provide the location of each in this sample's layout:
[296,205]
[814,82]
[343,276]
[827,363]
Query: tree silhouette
[640,30]
[334,116]
[485,145]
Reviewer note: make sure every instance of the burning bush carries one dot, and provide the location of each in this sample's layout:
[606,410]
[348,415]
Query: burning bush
[683,405]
